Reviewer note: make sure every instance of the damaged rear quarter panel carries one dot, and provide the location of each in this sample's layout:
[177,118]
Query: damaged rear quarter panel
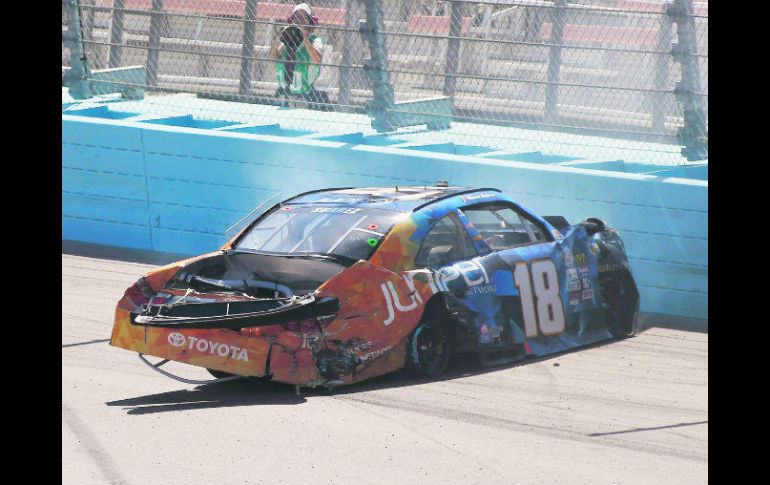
[378,311]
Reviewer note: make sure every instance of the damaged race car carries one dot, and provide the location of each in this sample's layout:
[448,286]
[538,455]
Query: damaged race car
[336,286]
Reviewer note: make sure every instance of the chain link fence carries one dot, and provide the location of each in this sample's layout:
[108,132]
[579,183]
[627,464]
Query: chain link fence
[612,69]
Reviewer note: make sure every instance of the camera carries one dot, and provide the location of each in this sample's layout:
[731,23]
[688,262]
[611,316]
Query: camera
[292,36]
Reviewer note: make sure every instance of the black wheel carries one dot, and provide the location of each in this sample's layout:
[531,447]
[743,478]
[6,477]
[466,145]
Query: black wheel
[429,349]
[623,299]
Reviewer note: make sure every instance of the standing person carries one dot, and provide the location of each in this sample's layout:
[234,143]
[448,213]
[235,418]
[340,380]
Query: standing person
[298,53]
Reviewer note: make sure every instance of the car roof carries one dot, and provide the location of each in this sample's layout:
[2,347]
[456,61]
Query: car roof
[397,198]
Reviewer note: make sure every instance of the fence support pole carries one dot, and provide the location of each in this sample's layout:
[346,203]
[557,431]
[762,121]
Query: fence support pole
[376,67]
[247,49]
[486,25]
[554,60]
[153,43]
[694,134]
[453,50]
[87,24]
[662,66]
[76,77]
[346,73]
[116,33]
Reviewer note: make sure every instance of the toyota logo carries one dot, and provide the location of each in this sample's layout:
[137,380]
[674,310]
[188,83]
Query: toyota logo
[176,339]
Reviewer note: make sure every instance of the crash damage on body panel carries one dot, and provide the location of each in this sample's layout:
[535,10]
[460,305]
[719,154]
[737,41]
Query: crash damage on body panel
[366,306]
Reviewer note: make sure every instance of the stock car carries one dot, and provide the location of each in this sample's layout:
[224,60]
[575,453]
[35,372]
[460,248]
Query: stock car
[336,286]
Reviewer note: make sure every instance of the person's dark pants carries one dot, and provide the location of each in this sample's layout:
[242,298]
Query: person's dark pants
[317,100]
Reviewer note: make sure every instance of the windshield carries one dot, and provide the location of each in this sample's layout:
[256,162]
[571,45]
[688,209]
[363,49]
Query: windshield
[352,232]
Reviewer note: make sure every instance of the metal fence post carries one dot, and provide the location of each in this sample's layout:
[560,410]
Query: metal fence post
[486,25]
[76,77]
[87,25]
[554,59]
[694,134]
[662,67]
[376,67]
[453,50]
[153,43]
[247,49]
[345,79]
[116,33]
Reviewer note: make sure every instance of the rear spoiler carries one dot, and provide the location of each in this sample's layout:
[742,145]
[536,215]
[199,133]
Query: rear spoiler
[559,222]
[297,309]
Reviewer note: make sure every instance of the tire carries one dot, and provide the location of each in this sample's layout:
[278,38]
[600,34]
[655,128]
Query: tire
[624,312]
[429,350]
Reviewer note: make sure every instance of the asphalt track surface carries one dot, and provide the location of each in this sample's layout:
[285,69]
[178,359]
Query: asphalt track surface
[628,412]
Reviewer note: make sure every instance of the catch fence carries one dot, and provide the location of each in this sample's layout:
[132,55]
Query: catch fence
[627,70]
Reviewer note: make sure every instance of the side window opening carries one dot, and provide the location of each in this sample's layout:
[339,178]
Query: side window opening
[535,229]
[447,241]
[502,227]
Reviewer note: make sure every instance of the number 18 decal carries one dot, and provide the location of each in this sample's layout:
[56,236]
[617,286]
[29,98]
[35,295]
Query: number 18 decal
[549,317]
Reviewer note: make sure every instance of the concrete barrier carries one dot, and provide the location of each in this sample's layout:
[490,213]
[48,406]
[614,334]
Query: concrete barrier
[175,185]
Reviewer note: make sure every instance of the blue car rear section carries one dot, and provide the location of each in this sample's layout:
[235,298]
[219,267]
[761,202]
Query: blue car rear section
[491,297]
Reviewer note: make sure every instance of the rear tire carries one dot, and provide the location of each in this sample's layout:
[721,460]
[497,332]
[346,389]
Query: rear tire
[624,309]
[429,349]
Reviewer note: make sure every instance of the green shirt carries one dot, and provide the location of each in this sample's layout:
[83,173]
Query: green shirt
[305,72]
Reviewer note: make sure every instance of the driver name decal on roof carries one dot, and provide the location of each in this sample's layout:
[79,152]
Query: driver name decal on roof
[336,210]
[481,195]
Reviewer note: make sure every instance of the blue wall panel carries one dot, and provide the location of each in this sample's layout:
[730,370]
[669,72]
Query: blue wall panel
[195,219]
[106,232]
[121,211]
[104,183]
[679,249]
[185,242]
[122,160]
[198,194]
[176,189]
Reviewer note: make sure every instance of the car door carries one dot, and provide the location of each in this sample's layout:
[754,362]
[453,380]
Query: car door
[543,290]
[522,299]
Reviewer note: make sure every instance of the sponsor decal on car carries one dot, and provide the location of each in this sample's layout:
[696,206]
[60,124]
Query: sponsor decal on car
[569,260]
[374,354]
[472,273]
[204,345]
[393,301]
[603,268]
[588,294]
[489,332]
[481,290]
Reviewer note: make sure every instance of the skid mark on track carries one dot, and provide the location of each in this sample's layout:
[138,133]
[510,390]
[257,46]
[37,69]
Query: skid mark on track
[92,446]
[636,430]
[78,317]
[350,402]
[88,342]
[496,422]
